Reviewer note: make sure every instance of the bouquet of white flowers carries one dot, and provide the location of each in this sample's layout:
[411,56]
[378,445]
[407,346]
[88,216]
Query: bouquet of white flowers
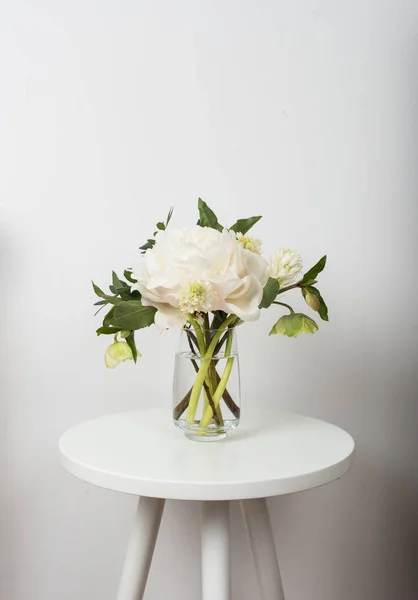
[205,280]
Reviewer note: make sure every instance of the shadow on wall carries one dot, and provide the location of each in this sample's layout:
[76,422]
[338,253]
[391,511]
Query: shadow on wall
[7,537]
[356,538]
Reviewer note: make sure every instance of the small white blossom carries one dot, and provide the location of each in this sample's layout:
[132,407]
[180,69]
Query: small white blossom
[249,243]
[286,266]
[196,297]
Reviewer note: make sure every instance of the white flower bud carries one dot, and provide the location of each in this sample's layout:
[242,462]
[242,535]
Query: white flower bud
[286,266]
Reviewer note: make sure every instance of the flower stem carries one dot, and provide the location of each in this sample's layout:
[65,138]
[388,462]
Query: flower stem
[208,414]
[286,305]
[201,376]
[199,334]
[289,287]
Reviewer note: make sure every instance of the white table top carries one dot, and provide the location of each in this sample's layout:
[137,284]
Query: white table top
[142,453]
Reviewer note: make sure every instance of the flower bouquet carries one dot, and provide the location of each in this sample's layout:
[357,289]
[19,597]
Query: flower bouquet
[205,280]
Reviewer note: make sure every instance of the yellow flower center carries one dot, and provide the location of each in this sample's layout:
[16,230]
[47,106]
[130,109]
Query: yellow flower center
[196,297]
[249,243]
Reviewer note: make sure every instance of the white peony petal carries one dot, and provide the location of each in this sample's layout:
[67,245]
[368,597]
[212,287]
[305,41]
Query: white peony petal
[168,316]
[245,301]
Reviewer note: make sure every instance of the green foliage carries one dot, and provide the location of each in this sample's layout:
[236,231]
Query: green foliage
[128,276]
[106,330]
[108,318]
[132,315]
[294,324]
[270,291]
[101,294]
[310,277]
[207,217]
[130,340]
[244,225]
[150,243]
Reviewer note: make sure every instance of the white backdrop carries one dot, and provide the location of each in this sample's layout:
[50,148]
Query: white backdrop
[304,112]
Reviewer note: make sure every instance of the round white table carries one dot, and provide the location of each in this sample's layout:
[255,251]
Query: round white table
[142,453]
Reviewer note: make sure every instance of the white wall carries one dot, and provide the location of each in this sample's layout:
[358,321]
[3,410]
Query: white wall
[305,112]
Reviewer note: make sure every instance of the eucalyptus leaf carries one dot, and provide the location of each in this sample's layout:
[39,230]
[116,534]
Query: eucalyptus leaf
[244,225]
[270,291]
[207,217]
[132,315]
[107,330]
[313,273]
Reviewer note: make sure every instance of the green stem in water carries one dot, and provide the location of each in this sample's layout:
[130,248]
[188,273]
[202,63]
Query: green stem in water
[216,398]
[199,335]
[204,366]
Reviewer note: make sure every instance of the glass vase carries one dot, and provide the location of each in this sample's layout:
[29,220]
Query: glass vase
[206,384]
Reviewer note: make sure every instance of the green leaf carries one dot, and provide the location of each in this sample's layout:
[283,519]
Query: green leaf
[132,315]
[130,340]
[101,294]
[106,330]
[323,309]
[270,291]
[124,293]
[128,275]
[207,216]
[100,303]
[149,244]
[244,225]
[108,317]
[294,324]
[309,277]
[160,226]
[118,283]
[170,214]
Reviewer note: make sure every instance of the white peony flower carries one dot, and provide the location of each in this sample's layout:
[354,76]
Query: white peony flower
[200,269]
[286,266]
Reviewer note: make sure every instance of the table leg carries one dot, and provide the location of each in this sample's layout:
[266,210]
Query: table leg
[141,548]
[257,522]
[216,583]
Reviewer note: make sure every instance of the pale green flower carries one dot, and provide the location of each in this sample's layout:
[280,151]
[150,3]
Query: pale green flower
[294,324]
[286,266]
[249,243]
[116,353]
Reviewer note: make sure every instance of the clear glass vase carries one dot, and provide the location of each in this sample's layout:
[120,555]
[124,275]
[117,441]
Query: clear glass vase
[206,384]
